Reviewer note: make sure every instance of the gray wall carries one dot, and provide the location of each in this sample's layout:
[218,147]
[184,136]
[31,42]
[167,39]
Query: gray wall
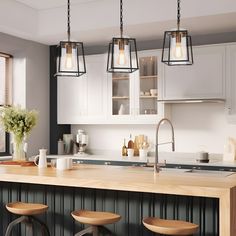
[156,44]
[32,86]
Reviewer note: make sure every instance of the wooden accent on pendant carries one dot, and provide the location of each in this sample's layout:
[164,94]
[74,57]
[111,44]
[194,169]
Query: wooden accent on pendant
[26,209]
[95,217]
[170,227]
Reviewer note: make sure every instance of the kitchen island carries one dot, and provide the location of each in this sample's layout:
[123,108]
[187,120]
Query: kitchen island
[135,191]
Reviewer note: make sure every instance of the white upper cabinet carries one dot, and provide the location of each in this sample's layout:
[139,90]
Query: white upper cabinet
[99,97]
[231,83]
[82,100]
[204,79]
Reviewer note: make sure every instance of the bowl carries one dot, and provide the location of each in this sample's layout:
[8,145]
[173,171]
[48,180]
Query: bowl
[153,92]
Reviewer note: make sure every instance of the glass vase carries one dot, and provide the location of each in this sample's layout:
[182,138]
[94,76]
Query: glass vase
[18,150]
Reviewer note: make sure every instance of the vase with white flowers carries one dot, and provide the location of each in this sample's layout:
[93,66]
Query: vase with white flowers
[18,122]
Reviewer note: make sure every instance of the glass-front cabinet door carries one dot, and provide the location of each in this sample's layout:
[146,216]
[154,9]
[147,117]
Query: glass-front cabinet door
[120,94]
[133,97]
[148,83]
[121,97]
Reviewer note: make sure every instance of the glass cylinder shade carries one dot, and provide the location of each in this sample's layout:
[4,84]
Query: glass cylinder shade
[177,48]
[70,60]
[122,56]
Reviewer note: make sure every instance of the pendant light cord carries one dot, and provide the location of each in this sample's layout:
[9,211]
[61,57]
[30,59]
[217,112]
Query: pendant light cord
[121,18]
[68,20]
[178,14]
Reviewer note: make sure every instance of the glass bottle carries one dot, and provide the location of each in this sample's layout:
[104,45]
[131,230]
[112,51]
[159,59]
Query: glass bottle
[124,150]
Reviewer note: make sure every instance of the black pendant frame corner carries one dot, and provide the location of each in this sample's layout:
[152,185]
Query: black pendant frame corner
[133,56]
[81,70]
[167,47]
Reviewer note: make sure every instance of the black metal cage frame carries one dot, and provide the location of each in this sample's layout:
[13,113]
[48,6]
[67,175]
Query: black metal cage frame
[167,46]
[133,55]
[80,54]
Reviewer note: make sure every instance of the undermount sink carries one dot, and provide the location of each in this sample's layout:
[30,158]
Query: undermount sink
[206,173]
[193,172]
[210,172]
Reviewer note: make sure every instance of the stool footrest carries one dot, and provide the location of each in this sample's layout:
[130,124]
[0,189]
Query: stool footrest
[28,220]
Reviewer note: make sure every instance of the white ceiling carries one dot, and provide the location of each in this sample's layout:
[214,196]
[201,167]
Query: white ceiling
[96,21]
[47,4]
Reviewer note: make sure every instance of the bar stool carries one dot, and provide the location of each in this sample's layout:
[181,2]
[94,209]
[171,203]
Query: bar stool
[27,212]
[94,219]
[170,227]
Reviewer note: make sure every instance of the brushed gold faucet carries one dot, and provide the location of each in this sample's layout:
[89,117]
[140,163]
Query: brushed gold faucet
[157,165]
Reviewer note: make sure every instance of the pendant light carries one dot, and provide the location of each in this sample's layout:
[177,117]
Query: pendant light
[177,45]
[122,53]
[70,58]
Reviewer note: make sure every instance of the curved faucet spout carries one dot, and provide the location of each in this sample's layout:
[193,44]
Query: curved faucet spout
[162,121]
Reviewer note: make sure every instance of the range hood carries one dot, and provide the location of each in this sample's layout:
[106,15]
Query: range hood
[197,100]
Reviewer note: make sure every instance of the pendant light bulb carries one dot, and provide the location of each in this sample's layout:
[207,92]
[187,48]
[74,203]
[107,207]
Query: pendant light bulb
[68,57]
[178,51]
[121,57]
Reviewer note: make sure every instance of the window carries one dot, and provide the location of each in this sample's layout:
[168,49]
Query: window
[5,96]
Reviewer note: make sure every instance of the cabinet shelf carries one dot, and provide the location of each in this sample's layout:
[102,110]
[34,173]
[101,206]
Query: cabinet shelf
[148,76]
[120,78]
[120,97]
[148,97]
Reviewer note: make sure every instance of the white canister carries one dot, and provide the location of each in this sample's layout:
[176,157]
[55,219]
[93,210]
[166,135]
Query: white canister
[130,152]
[143,154]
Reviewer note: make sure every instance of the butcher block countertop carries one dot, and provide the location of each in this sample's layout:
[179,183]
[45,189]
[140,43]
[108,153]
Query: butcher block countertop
[139,179]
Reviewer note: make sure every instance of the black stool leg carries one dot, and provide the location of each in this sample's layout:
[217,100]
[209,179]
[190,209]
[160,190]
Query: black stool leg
[29,226]
[44,228]
[13,223]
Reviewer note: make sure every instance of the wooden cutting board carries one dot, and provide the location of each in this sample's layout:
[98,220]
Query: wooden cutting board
[20,163]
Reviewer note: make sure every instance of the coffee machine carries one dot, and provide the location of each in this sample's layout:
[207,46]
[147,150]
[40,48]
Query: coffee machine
[81,142]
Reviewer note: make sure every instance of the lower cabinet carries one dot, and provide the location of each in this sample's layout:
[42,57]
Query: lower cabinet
[132,206]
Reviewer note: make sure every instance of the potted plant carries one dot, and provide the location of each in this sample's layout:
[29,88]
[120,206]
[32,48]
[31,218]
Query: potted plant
[18,122]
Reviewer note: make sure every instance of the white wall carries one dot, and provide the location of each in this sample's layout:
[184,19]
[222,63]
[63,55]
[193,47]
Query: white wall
[195,125]
[30,84]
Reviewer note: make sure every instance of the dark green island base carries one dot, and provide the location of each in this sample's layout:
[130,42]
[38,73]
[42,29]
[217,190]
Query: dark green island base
[132,206]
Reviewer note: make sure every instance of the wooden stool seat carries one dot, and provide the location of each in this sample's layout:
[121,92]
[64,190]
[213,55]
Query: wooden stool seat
[27,212]
[95,217]
[26,209]
[170,227]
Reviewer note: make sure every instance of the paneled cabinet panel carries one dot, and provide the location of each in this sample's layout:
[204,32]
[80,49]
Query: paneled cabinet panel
[83,100]
[204,79]
[231,83]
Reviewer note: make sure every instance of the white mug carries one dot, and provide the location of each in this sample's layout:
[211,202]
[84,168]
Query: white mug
[41,159]
[64,163]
